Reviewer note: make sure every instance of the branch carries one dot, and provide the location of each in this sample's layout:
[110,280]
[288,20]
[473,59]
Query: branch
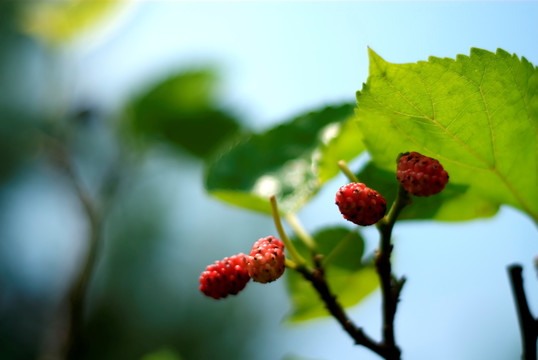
[317,278]
[390,286]
[528,325]
[78,292]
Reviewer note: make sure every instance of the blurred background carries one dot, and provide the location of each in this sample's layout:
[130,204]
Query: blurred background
[86,89]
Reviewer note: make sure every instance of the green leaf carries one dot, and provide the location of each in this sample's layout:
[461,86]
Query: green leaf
[350,287]
[180,111]
[17,139]
[477,114]
[349,277]
[280,162]
[162,354]
[345,145]
[339,246]
[454,203]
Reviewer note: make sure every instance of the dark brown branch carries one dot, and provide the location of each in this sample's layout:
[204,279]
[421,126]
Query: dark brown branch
[390,294]
[317,278]
[528,325]
[390,286]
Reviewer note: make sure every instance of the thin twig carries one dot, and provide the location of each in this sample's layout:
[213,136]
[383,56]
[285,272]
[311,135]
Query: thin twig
[345,169]
[301,232]
[292,251]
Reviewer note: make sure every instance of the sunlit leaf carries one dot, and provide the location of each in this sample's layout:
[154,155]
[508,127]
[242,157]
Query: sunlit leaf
[477,114]
[345,145]
[280,162]
[348,275]
[181,111]
[60,21]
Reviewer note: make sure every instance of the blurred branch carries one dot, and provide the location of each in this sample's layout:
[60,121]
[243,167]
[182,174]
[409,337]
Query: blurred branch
[77,296]
[527,323]
[79,290]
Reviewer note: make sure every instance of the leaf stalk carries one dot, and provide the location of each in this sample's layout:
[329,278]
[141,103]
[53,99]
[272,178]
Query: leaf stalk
[345,169]
[292,251]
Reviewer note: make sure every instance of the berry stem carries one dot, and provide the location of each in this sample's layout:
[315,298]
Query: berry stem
[300,231]
[292,251]
[345,169]
[290,264]
[390,285]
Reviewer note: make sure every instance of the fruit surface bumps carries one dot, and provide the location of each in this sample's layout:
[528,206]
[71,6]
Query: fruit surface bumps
[225,277]
[360,204]
[266,262]
[421,175]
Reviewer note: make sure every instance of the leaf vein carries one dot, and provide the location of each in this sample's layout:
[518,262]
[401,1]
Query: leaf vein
[418,143]
[490,123]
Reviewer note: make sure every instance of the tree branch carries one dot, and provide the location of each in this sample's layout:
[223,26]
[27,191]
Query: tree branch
[317,278]
[528,325]
[390,286]
[78,292]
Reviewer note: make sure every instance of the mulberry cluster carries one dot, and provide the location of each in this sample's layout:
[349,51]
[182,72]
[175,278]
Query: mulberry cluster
[230,275]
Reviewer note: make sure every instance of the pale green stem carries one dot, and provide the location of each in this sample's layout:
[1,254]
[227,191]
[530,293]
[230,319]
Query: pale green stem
[301,232]
[292,251]
[290,264]
[345,169]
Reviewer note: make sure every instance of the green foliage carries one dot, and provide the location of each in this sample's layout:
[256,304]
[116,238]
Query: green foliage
[163,354]
[60,21]
[346,145]
[181,111]
[290,161]
[477,114]
[16,140]
[347,274]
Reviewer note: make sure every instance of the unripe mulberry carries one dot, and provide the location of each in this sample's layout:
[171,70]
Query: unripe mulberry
[360,204]
[266,262]
[421,175]
[225,277]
